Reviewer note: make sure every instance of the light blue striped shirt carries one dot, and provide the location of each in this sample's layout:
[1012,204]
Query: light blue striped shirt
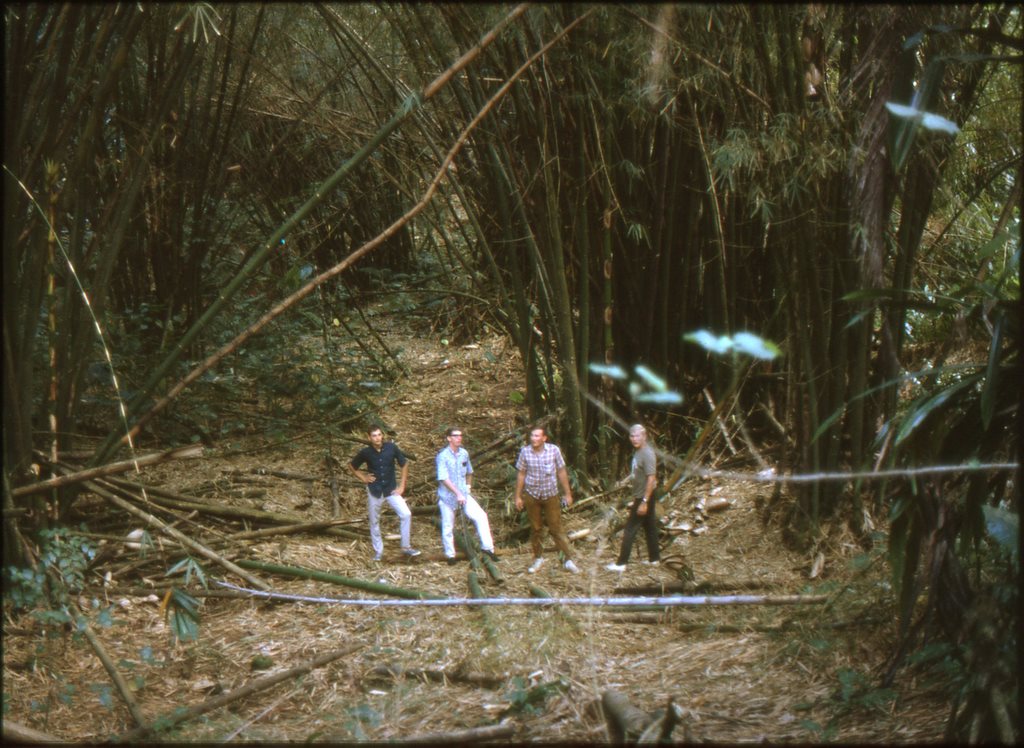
[454,466]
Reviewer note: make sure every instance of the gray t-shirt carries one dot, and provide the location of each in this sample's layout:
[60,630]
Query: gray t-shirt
[644,464]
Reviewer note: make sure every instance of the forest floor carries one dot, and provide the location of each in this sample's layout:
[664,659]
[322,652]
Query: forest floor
[738,673]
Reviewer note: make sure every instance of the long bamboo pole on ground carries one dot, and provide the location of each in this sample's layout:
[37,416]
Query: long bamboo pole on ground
[323,576]
[178,453]
[260,684]
[108,664]
[182,501]
[176,534]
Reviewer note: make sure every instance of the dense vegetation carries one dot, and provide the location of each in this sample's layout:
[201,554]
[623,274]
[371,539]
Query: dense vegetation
[206,183]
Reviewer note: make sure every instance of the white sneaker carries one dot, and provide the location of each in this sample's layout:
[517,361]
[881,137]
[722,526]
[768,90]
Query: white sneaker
[650,563]
[570,566]
[535,566]
[616,567]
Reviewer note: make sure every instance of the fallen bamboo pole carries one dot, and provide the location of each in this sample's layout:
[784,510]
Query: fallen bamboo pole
[473,735]
[176,534]
[610,602]
[216,702]
[441,676]
[14,732]
[178,453]
[108,664]
[540,592]
[192,503]
[323,576]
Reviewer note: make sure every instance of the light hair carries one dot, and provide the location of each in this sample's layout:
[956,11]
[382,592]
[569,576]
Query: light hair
[636,428]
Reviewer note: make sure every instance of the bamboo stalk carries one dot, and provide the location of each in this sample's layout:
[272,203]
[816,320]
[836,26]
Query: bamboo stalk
[181,501]
[323,576]
[124,466]
[112,671]
[542,593]
[624,721]
[176,534]
[476,591]
[14,732]
[260,684]
[469,735]
[441,676]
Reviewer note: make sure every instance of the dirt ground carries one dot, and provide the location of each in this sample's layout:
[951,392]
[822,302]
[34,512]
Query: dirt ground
[738,673]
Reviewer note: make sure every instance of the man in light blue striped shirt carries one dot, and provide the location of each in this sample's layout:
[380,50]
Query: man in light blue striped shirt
[454,483]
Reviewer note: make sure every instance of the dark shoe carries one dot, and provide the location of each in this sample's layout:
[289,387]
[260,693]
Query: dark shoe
[452,561]
[491,555]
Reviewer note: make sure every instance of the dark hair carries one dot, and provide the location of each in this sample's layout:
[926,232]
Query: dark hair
[538,427]
[374,427]
[451,429]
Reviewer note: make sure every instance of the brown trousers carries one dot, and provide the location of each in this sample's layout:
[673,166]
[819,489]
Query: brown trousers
[541,511]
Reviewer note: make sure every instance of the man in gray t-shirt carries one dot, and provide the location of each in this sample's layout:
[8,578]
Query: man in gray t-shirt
[643,481]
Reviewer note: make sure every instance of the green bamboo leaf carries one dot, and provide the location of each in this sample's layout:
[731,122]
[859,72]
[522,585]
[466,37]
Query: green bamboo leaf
[988,390]
[918,414]
[183,614]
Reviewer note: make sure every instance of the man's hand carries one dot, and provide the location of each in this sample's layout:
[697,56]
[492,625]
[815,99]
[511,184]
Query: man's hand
[519,503]
[641,510]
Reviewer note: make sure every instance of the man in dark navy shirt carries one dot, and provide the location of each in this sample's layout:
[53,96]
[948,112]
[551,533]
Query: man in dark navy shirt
[379,476]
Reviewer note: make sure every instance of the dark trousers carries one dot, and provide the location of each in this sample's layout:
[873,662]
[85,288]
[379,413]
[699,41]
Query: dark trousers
[650,524]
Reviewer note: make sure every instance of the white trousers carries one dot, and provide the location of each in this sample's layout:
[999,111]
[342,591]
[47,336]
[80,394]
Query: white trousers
[373,507]
[475,514]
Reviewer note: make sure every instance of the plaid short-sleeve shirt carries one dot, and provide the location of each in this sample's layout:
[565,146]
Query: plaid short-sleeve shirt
[541,470]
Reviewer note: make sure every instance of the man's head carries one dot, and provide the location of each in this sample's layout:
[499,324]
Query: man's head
[376,435]
[538,436]
[637,435]
[454,437]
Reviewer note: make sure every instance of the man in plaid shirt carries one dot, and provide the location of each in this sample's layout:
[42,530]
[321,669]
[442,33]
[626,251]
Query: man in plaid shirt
[541,468]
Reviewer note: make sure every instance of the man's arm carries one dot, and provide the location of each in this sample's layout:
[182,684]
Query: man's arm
[520,480]
[402,479]
[362,475]
[652,483]
[563,478]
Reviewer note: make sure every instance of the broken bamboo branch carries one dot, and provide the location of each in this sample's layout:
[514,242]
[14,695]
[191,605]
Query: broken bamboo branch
[440,676]
[14,732]
[180,501]
[108,664]
[178,453]
[473,735]
[624,721]
[176,534]
[323,576]
[216,702]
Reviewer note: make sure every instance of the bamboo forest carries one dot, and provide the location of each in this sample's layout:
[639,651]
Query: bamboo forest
[501,373]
